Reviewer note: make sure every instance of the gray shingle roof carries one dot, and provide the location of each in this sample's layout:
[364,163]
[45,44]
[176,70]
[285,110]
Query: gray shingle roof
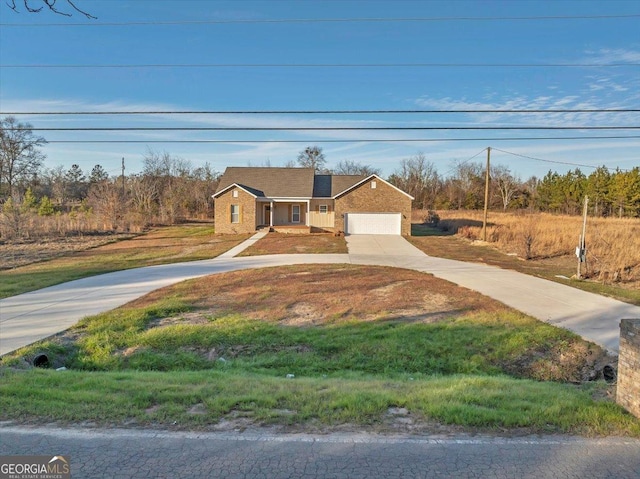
[287,182]
[270,182]
[339,183]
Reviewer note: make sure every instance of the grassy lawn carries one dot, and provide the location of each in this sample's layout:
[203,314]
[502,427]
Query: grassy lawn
[435,242]
[282,243]
[159,246]
[313,348]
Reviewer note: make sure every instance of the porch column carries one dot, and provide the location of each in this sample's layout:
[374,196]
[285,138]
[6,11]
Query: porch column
[306,216]
[272,212]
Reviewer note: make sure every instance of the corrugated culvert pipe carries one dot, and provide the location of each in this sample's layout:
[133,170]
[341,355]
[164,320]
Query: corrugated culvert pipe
[41,360]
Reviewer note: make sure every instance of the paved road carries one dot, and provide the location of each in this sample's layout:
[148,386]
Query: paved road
[32,316]
[155,454]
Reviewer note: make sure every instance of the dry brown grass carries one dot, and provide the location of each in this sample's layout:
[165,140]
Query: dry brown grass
[330,293]
[613,244]
[23,252]
[283,243]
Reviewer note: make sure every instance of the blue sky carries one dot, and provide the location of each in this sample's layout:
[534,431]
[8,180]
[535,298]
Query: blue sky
[157,32]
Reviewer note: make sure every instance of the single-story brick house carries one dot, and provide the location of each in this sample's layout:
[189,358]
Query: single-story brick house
[298,199]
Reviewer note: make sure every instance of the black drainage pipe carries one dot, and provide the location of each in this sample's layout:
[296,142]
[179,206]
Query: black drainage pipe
[609,374]
[41,361]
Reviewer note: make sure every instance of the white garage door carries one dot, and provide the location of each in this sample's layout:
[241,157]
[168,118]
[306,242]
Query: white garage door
[372,223]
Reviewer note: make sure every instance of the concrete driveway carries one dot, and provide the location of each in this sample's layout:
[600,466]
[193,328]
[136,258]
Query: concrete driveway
[592,316]
[29,317]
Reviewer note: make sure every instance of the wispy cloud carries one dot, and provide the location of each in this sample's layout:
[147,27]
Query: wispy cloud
[607,56]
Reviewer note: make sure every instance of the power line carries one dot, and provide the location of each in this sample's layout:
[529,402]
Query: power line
[322,65]
[543,160]
[328,128]
[322,112]
[362,140]
[329,20]
[465,161]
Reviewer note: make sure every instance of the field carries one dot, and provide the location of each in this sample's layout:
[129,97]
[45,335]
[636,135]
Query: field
[613,244]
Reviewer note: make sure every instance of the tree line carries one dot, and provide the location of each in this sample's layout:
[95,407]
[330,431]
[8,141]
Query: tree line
[611,193]
[170,188]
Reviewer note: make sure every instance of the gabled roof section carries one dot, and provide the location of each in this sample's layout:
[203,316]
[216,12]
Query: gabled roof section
[364,180]
[268,182]
[340,183]
[253,193]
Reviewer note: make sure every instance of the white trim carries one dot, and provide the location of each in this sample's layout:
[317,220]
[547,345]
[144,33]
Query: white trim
[237,214]
[284,199]
[234,185]
[299,213]
[367,179]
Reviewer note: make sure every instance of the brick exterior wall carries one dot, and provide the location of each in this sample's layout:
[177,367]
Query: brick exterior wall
[222,215]
[382,199]
[628,394]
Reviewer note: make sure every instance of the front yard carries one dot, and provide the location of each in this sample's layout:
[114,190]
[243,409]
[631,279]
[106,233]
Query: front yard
[317,348]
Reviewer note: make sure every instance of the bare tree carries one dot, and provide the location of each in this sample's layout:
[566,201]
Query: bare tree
[50,4]
[106,200]
[419,178]
[508,185]
[170,176]
[20,157]
[349,167]
[312,157]
[469,181]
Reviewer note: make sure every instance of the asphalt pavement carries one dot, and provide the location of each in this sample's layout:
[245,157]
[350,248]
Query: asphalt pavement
[124,454]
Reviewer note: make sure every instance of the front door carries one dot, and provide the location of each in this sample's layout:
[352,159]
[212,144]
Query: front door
[266,217]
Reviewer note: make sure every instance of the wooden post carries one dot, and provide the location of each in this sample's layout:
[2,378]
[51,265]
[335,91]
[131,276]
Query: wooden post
[486,196]
[581,252]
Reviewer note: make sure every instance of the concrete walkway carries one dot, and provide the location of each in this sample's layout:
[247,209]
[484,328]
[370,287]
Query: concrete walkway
[29,317]
[252,455]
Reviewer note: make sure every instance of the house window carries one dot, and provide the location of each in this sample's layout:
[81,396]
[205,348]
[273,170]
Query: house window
[235,193]
[373,185]
[235,213]
[295,214]
[323,209]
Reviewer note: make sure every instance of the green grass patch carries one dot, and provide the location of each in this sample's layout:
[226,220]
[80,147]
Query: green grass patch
[186,354]
[475,343]
[159,246]
[200,399]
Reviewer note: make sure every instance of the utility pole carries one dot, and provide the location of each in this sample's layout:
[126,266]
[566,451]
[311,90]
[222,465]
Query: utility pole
[581,250]
[123,190]
[486,196]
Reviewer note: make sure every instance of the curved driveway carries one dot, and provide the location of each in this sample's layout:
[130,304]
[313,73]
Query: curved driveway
[32,316]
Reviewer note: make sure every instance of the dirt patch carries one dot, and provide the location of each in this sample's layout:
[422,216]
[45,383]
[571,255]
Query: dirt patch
[308,294]
[303,314]
[197,410]
[312,243]
[571,362]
